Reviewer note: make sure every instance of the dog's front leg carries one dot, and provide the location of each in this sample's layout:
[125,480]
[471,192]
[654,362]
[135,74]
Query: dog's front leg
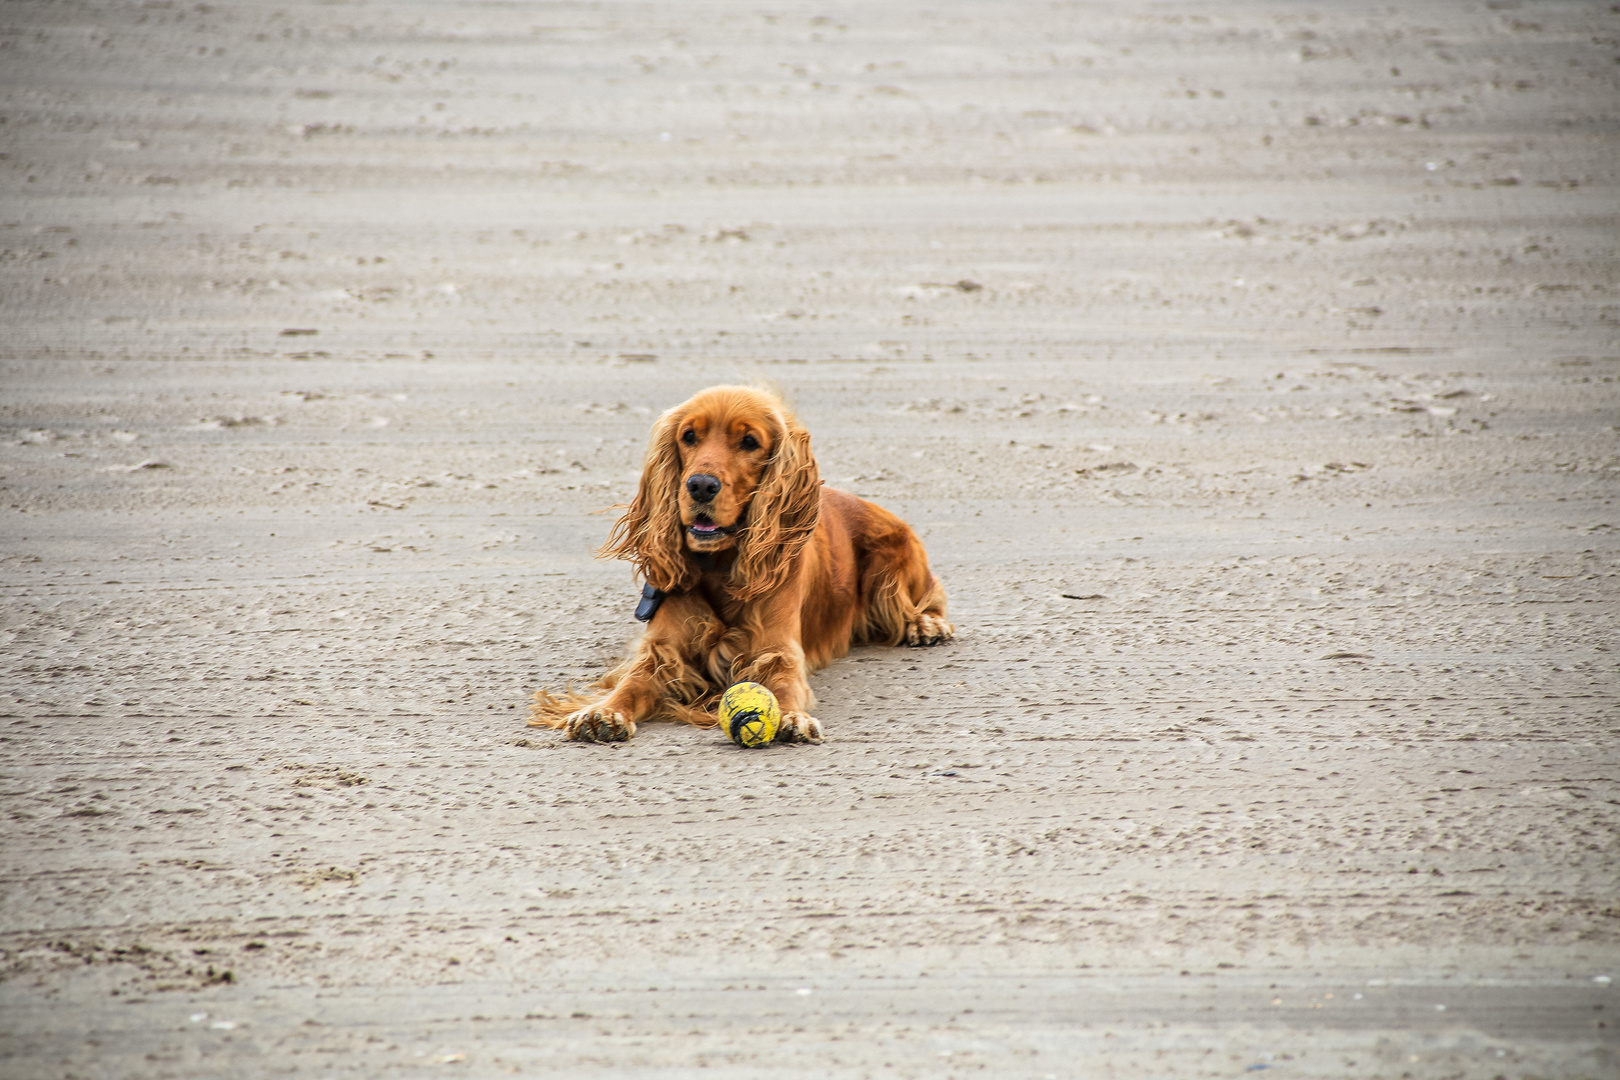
[776,662]
[664,665]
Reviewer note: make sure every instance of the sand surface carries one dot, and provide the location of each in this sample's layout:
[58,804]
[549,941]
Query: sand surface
[1249,370]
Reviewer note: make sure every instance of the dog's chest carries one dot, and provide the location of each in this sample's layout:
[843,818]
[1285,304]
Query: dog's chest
[713,588]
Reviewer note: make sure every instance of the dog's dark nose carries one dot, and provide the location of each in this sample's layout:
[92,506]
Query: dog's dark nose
[702,487]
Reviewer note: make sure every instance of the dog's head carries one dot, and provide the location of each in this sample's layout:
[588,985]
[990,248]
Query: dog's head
[729,469]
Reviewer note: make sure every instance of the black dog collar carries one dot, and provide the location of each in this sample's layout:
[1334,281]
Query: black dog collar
[650,599]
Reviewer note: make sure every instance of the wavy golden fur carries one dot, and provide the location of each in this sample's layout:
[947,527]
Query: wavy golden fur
[768,575]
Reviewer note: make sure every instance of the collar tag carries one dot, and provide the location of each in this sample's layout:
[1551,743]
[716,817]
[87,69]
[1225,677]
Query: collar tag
[650,599]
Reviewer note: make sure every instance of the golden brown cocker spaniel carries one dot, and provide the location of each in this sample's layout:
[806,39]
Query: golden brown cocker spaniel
[767,574]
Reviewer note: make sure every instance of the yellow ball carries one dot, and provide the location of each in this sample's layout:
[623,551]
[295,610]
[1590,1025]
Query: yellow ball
[749,714]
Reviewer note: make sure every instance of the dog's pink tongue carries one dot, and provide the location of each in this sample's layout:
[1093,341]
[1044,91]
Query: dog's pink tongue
[700,528]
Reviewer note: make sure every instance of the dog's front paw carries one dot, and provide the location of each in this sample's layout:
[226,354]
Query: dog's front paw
[929,630]
[596,723]
[798,727]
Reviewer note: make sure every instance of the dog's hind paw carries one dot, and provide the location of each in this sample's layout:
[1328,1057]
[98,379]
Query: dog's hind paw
[798,727]
[595,723]
[929,630]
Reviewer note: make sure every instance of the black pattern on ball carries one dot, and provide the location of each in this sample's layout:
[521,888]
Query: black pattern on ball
[740,721]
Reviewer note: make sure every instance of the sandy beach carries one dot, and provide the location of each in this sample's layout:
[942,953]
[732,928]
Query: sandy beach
[1249,369]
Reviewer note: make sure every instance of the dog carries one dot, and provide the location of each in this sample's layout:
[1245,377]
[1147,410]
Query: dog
[754,572]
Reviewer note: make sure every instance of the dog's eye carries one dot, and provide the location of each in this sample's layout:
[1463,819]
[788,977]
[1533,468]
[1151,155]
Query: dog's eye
[750,443]
[690,438]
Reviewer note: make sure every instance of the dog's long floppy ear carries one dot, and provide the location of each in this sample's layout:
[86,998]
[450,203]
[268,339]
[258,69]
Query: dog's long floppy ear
[782,515]
[648,533]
